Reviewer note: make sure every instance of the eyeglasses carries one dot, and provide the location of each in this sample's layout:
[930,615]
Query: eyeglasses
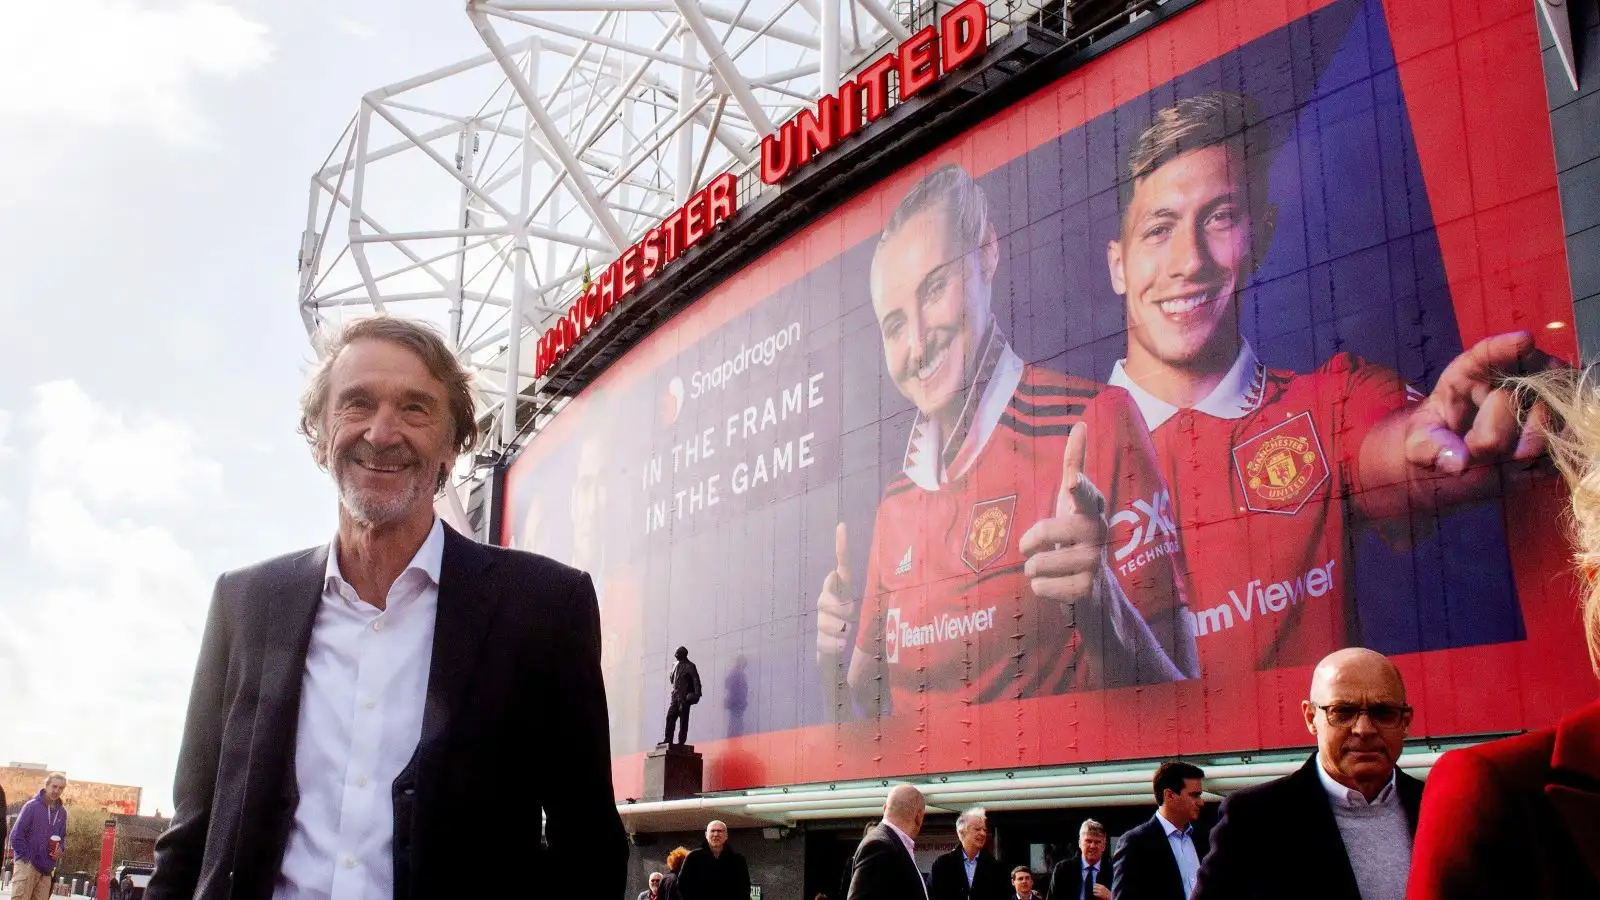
[1382,715]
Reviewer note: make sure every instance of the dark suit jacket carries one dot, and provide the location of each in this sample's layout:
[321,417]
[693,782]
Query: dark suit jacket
[1066,879]
[948,880]
[514,695]
[1514,818]
[1143,868]
[883,870]
[1280,838]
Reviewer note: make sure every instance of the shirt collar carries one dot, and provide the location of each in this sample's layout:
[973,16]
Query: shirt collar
[1086,864]
[904,838]
[1237,395]
[934,459]
[428,560]
[1172,829]
[1339,795]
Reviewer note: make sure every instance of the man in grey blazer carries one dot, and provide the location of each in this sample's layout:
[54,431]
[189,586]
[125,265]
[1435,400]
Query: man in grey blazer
[377,717]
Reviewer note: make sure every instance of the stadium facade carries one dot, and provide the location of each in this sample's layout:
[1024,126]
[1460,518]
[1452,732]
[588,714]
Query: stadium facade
[801,414]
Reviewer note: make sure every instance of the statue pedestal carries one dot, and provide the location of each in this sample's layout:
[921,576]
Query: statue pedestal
[672,772]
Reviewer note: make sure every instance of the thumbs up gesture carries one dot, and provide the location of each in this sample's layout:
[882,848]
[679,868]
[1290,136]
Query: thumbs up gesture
[1066,552]
[837,607]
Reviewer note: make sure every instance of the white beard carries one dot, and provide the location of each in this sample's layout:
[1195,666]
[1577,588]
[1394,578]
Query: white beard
[376,509]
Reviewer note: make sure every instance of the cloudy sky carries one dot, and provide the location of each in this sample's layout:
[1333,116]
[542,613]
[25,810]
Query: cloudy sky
[154,163]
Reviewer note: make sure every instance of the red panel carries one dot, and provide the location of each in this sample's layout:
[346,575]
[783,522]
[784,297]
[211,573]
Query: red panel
[1472,80]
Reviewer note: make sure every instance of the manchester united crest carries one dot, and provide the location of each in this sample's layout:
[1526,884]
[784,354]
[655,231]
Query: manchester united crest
[1281,467]
[987,532]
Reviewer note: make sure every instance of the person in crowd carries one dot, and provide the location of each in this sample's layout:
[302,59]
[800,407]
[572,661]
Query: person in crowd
[1520,817]
[39,840]
[1348,814]
[715,871]
[653,892]
[999,450]
[1085,875]
[885,864]
[379,740]
[967,872]
[1306,456]
[685,681]
[1158,860]
[1022,884]
[669,881]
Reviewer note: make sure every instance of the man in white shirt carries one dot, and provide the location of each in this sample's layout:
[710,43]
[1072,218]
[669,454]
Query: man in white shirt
[1159,859]
[885,865]
[1354,813]
[349,699]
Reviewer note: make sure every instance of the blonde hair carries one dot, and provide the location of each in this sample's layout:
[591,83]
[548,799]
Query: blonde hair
[1572,397]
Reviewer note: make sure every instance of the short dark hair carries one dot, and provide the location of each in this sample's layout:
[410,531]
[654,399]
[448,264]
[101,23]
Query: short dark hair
[681,653]
[1021,869]
[1218,118]
[1171,775]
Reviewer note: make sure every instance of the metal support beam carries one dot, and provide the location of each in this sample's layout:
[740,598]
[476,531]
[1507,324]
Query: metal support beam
[587,195]
[732,79]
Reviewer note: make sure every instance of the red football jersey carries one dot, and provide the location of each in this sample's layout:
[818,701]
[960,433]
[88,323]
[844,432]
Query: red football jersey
[947,609]
[1265,504]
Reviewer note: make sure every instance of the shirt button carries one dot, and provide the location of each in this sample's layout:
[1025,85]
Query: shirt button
[349,862]
[372,704]
[378,625]
[361,781]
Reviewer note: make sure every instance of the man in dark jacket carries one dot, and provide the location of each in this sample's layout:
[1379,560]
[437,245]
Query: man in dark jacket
[714,872]
[685,680]
[1088,866]
[1160,859]
[885,864]
[1339,828]
[968,873]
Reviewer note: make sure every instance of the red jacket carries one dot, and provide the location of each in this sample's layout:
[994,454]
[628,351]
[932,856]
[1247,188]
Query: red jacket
[1518,817]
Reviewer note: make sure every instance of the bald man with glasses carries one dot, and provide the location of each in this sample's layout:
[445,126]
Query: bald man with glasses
[1339,828]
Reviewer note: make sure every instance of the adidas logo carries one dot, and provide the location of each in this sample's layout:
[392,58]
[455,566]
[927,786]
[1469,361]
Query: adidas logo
[905,563]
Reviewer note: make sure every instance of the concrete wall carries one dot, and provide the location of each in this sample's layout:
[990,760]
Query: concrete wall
[1575,127]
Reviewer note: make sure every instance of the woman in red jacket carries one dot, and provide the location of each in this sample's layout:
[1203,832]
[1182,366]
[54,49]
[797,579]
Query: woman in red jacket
[1520,817]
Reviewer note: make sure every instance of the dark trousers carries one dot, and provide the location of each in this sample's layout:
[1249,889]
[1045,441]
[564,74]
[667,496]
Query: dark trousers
[678,713]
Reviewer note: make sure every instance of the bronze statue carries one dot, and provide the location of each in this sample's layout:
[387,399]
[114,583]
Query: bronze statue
[685,680]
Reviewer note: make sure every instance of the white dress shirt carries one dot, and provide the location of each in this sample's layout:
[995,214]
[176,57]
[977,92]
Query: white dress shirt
[911,848]
[1182,844]
[361,701]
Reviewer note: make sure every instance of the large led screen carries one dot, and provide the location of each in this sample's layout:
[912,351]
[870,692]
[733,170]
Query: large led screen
[1085,436]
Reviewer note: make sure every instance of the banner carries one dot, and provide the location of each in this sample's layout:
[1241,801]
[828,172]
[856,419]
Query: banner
[1087,435]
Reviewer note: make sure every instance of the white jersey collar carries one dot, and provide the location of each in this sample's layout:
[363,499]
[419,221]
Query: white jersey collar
[1237,395]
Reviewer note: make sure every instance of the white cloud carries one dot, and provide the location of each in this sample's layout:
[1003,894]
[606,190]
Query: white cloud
[123,62]
[5,427]
[354,28]
[97,452]
[115,593]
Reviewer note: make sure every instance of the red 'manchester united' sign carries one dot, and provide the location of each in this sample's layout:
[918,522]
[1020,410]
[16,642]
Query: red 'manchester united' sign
[917,63]
[684,228]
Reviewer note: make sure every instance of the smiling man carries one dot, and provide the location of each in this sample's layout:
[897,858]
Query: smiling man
[349,698]
[1271,470]
[1341,827]
[1030,501]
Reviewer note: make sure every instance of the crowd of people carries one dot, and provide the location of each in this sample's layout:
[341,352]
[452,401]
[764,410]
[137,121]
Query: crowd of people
[1348,824]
